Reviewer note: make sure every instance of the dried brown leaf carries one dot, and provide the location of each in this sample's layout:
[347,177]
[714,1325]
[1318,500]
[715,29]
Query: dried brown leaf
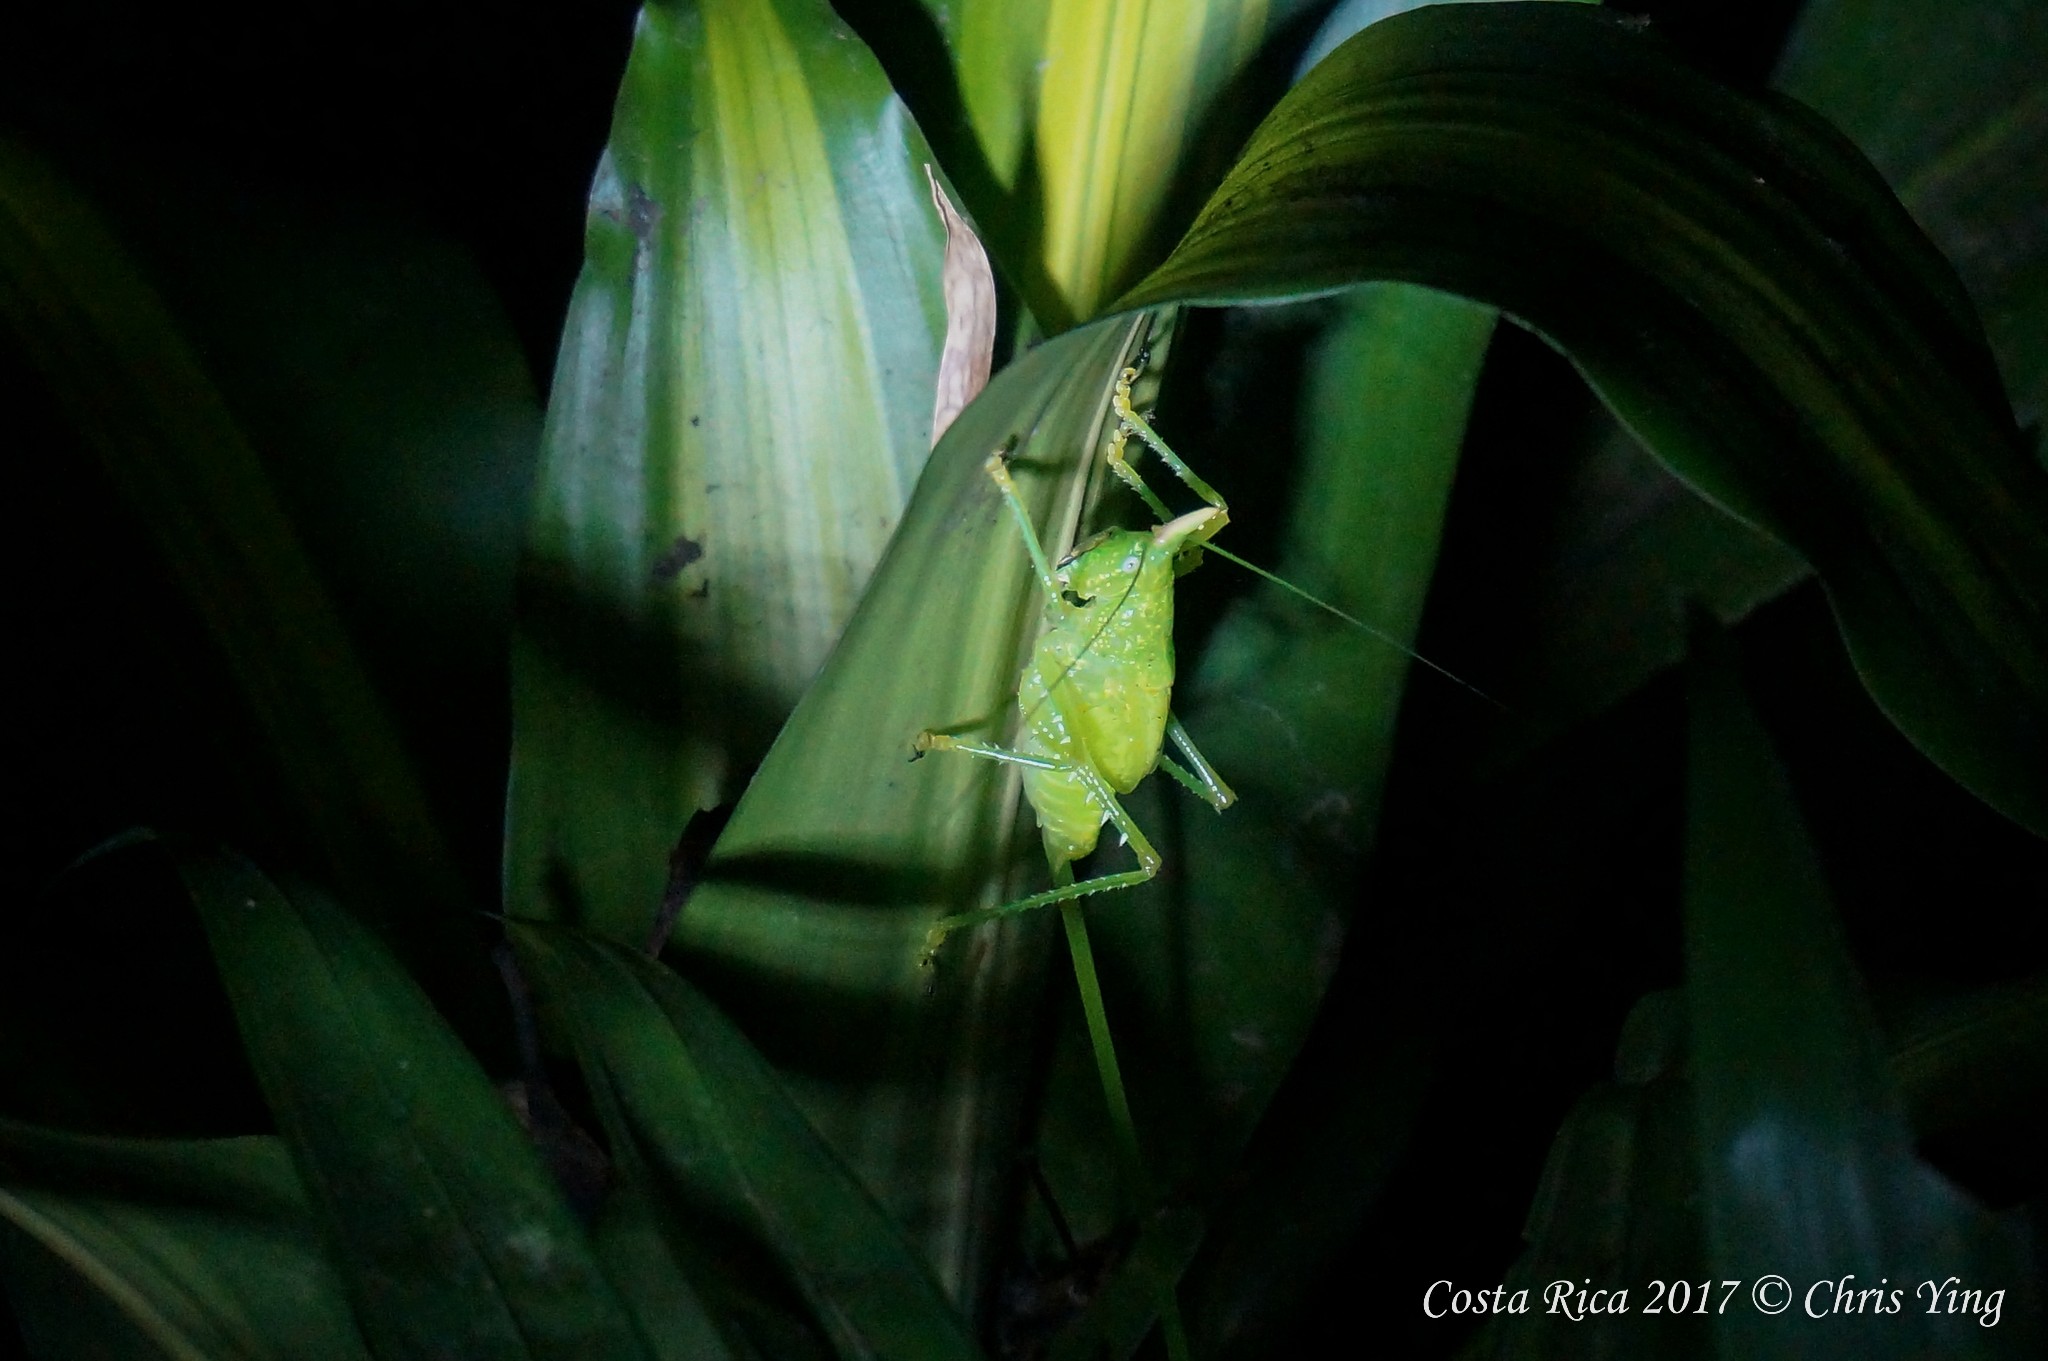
[970,287]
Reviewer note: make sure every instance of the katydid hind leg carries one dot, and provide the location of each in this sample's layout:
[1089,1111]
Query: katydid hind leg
[1213,789]
[1218,799]
[1148,866]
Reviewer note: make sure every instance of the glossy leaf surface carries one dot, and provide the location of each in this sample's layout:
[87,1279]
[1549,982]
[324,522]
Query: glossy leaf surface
[1691,323]
[1218,968]
[1610,548]
[1758,293]
[1949,104]
[741,405]
[1754,1131]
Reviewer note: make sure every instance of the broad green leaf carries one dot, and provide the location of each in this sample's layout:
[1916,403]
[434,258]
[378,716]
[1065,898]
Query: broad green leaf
[652,1278]
[1754,1138]
[1736,285]
[1347,17]
[701,1121]
[813,910]
[1807,1162]
[1626,546]
[451,1235]
[202,1249]
[72,302]
[1948,102]
[825,897]
[997,49]
[1626,543]
[741,404]
[1221,967]
[1298,709]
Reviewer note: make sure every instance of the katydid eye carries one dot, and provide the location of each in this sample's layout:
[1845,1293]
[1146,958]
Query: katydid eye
[1131,563]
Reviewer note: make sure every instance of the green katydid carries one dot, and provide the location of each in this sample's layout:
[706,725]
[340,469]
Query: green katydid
[1097,690]
[1096,693]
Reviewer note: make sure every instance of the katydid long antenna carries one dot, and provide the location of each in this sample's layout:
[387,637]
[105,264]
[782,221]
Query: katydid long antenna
[1369,630]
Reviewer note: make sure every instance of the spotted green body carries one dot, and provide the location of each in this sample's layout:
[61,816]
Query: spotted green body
[1098,688]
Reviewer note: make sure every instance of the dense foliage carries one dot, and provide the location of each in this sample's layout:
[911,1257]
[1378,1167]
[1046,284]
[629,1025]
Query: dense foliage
[1679,920]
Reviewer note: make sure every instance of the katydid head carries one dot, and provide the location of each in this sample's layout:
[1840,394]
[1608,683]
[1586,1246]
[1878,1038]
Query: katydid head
[1109,563]
[1104,564]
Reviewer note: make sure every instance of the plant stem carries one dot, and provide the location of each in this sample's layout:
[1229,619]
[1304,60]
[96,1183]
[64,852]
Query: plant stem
[1125,1130]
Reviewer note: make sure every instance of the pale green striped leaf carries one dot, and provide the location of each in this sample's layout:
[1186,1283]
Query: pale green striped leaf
[741,405]
[842,850]
[1083,116]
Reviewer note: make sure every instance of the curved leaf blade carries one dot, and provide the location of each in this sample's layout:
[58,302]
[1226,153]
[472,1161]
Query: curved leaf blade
[1303,707]
[1949,104]
[1738,286]
[700,1117]
[450,1233]
[1754,1128]
[740,407]
[206,1248]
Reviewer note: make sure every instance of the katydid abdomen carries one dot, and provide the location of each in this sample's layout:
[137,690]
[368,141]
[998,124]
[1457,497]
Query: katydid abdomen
[1097,691]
